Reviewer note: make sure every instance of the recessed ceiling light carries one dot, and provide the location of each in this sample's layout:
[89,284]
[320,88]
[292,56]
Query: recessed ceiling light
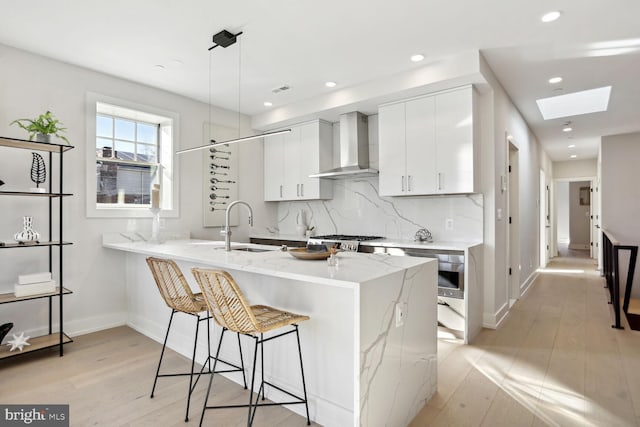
[555,80]
[573,156]
[572,146]
[574,104]
[550,17]
[267,103]
[567,129]
[330,84]
[417,57]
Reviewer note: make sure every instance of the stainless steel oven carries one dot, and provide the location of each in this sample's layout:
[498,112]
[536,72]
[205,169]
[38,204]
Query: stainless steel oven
[450,266]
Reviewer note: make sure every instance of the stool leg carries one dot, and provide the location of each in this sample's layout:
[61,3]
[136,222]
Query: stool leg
[244,378]
[213,370]
[304,386]
[208,341]
[253,378]
[193,362]
[262,365]
[155,381]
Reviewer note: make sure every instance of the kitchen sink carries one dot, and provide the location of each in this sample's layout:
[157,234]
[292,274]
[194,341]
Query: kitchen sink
[251,249]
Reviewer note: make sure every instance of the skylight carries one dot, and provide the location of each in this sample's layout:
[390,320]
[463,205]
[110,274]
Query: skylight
[574,104]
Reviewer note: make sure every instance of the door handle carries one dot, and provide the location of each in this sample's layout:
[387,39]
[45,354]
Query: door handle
[439,179]
[402,183]
[410,183]
[281,191]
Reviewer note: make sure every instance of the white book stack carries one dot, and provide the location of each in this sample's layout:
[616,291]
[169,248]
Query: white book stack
[34,284]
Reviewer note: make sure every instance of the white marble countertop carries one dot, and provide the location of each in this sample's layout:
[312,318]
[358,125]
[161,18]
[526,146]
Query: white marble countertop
[353,268]
[389,243]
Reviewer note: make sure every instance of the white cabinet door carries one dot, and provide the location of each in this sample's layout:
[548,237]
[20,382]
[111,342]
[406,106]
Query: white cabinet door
[293,152]
[391,150]
[273,168]
[420,146]
[454,136]
[309,161]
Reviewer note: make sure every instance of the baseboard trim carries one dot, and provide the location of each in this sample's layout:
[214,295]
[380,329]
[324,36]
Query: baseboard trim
[527,283]
[493,321]
[84,326]
[579,246]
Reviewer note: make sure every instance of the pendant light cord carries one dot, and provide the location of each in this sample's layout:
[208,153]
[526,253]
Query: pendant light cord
[239,81]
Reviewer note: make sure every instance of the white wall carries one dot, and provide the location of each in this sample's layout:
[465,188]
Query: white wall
[507,119]
[620,194]
[579,223]
[562,207]
[574,169]
[30,85]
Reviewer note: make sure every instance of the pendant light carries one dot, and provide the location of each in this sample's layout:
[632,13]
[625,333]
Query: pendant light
[225,39]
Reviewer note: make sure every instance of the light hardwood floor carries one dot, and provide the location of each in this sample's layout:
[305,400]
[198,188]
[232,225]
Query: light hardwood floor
[106,378]
[555,361]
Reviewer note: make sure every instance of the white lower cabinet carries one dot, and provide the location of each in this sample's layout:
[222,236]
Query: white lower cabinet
[290,158]
[426,145]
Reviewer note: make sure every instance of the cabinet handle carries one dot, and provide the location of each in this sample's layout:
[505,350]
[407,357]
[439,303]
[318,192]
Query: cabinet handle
[402,183]
[281,191]
[297,190]
[301,190]
[409,183]
[439,181]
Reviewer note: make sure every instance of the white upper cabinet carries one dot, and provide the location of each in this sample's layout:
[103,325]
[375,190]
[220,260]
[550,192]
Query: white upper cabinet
[392,150]
[426,145]
[290,158]
[454,136]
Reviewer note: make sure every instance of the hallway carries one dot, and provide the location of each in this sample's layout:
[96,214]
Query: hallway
[555,361]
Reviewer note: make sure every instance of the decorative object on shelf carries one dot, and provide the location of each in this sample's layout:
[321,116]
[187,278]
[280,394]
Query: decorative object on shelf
[18,341]
[4,330]
[301,222]
[423,235]
[155,196]
[42,127]
[155,225]
[28,234]
[38,173]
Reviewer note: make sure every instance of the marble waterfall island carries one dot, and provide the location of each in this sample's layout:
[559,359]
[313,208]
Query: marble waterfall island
[369,349]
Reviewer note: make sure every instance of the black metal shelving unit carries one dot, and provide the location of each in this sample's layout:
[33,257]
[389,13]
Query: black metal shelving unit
[59,338]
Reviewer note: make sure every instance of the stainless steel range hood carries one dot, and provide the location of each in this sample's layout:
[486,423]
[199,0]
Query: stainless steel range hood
[354,149]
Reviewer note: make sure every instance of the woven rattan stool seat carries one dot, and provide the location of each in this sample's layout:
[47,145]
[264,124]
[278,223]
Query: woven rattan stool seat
[269,318]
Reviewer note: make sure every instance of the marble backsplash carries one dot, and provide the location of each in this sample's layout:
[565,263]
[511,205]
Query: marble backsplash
[357,208]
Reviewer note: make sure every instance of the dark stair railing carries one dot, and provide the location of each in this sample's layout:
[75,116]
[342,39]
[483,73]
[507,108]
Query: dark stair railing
[610,257]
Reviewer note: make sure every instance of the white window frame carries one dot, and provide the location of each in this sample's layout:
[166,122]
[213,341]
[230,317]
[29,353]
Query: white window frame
[169,143]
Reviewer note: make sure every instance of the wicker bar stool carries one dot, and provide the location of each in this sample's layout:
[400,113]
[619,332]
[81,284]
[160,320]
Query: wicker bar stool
[229,309]
[178,296]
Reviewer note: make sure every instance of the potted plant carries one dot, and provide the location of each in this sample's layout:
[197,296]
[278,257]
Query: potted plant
[42,127]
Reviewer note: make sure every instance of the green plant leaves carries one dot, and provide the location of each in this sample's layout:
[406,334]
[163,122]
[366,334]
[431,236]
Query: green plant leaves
[45,124]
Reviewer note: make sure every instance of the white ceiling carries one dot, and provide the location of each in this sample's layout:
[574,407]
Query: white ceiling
[304,43]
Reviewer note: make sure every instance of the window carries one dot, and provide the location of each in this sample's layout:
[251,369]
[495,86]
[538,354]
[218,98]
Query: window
[131,150]
[127,160]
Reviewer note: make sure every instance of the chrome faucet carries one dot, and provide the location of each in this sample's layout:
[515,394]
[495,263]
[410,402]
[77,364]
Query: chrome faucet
[227,230]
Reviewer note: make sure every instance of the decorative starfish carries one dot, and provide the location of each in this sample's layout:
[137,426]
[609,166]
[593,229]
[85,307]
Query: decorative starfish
[18,341]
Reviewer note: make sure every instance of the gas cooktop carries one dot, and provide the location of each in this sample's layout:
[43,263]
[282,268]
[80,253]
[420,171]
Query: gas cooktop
[339,237]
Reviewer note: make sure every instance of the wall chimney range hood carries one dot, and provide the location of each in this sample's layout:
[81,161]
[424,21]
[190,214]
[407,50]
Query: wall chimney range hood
[354,149]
